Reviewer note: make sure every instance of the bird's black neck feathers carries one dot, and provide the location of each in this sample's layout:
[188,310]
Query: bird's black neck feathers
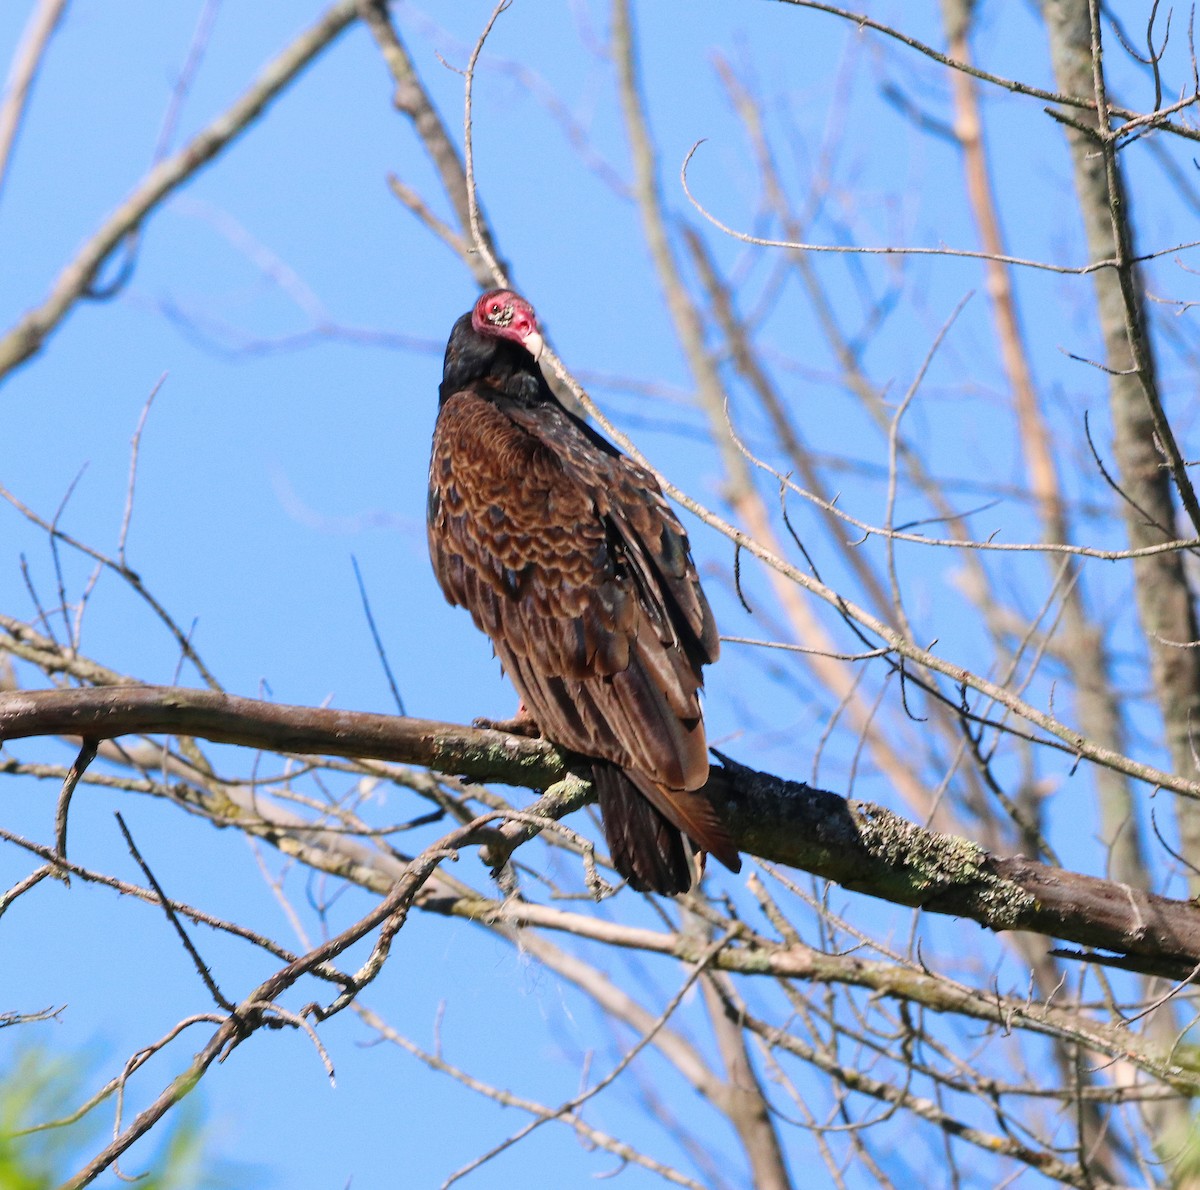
[504,373]
[507,367]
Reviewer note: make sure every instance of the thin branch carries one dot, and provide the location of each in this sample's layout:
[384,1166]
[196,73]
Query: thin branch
[380,651]
[479,240]
[593,1136]
[29,335]
[250,1015]
[39,28]
[904,250]
[135,446]
[573,1104]
[413,100]
[87,753]
[862,21]
[201,966]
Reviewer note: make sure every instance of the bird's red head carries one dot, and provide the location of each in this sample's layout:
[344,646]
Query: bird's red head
[506,315]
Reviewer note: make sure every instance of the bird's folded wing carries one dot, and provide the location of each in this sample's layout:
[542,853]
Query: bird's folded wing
[569,558]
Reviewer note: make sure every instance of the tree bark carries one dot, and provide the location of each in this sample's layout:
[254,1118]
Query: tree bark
[1164,601]
[859,845]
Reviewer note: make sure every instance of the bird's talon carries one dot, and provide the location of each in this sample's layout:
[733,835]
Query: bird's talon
[517,725]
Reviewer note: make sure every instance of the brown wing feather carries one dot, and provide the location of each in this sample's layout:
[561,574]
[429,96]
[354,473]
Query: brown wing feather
[629,496]
[677,635]
[569,558]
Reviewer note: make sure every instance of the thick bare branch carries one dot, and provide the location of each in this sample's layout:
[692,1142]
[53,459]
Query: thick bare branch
[861,846]
[112,711]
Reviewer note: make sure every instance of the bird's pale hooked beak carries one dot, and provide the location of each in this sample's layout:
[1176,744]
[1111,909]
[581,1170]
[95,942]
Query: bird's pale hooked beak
[534,344]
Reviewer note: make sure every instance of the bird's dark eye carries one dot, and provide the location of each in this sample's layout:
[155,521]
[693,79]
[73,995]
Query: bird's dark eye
[499,314]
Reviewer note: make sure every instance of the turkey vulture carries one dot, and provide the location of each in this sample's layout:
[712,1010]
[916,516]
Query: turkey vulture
[567,555]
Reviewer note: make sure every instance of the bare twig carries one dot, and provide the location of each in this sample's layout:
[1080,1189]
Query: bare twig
[39,28]
[201,966]
[87,753]
[29,335]
[254,1011]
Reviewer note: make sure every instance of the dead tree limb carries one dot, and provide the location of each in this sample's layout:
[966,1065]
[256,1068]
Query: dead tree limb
[861,846]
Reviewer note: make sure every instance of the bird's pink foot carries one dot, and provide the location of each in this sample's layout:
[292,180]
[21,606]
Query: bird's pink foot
[522,723]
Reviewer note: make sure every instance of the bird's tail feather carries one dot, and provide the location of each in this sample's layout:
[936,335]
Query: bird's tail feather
[645,847]
[692,813]
[645,824]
